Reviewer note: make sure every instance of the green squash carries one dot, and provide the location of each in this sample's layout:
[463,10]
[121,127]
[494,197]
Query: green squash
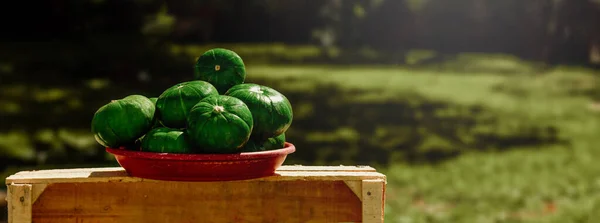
[277,142]
[252,146]
[220,124]
[157,123]
[121,122]
[222,68]
[153,99]
[271,110]
[175,103]
[166,140]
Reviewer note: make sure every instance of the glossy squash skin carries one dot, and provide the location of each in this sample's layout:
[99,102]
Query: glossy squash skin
[175,103]
[166,140]
[271,110]
[222,68]
[220,124]
[157,123]
[277,142]
[121,122]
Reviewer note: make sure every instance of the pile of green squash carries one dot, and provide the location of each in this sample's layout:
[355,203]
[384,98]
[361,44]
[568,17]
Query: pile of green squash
[215,112]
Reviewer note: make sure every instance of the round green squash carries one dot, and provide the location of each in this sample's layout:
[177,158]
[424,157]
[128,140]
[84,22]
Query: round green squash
[277,142]
[222,68]
[121,122]
[271,110]
[175,103]
[166,140]
[219,124]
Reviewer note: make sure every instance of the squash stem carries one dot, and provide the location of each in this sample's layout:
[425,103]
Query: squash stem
[218,109]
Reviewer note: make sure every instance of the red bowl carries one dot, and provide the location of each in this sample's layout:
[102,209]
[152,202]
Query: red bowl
[201,167]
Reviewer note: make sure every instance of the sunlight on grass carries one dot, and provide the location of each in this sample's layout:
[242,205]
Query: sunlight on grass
[554,183]
[541,95]
[516,185]
[559,184]
[15,144]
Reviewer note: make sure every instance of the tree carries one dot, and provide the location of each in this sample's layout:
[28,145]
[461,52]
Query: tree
[575,32]
[390,27]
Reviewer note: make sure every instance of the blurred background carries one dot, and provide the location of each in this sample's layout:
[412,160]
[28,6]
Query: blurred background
[477,110]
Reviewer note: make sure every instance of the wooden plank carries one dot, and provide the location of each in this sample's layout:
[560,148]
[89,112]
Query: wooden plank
[36,191]
[356,187]
[281,169]
[235,201]
[327,168]
[119,175]
[19,203]
[373,198]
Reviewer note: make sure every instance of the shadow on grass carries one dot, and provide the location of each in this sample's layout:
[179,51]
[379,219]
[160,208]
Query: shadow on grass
[334,126]
[331,126]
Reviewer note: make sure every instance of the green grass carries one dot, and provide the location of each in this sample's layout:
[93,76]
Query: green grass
[559,183]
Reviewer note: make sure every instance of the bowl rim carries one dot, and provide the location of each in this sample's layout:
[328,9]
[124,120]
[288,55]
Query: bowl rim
[287,149]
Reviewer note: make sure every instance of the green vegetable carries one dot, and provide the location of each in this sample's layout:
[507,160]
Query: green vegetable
[156,122]
[175,103]
[222,68]
[166,140]
[220,124]
[121,122]
[277,142]
[153,99]
[271,110]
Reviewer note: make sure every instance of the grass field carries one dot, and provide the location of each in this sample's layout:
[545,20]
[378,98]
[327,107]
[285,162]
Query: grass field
[512,179]
[533,183]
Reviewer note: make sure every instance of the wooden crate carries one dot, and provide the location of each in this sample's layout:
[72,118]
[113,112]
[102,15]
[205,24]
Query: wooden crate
[294,194]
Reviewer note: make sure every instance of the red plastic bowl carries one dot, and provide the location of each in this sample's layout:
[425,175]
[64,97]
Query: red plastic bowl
[201,167]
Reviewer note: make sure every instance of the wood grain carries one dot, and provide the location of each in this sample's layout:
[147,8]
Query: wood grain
[373,201]
[239,201]
[356,187]
[326,168]
[19,203]
[294,194]
[118,174]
